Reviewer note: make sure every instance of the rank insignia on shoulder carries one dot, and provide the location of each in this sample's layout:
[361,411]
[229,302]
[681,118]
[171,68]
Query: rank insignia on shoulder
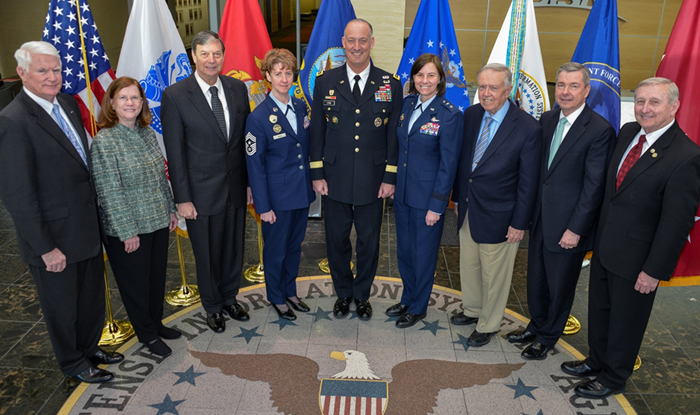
[397,78]
[273,118]
[319,73]
[276,128]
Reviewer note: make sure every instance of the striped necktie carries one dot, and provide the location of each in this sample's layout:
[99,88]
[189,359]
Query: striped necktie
[69,133]
[483,142]
[218,110]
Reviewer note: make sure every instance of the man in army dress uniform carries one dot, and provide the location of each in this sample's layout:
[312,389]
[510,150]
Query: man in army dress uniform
[354,151]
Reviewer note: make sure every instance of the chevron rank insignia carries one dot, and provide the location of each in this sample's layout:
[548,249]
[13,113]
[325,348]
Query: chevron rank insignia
[250,144]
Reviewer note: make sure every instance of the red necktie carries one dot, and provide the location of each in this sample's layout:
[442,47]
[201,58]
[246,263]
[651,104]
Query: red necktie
[631,158]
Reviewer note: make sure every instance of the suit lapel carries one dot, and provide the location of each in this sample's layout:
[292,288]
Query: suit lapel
[616,159]
[342,85]
[575,133]
[44,120]
[200,103]
[231,103]
[651,156]
[502,134]
[370,86]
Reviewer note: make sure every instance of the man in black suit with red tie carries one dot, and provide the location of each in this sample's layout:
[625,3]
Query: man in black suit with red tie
[203,125]
[652,191]
[575,155]
[46,185]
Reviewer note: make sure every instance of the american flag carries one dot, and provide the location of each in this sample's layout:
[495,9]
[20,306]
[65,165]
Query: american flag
[82,56]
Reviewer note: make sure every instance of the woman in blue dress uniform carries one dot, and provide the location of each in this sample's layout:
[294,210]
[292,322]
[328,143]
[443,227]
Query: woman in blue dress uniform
[277,149]
[430,140]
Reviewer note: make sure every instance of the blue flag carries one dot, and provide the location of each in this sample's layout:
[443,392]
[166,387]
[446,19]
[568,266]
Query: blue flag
[325,50]
[598,50]
[433,32]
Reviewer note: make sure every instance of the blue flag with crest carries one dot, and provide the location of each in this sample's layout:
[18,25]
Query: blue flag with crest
[598,50]
[433,32]
[325,50]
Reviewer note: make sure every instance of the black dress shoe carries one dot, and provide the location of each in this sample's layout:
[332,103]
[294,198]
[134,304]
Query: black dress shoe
[300,306]
[536,351]
[94,375]
[596,390]
[521,336]
[107,358]
[216,322]
[578,368]
[364,309]
[408,320]
[168,333]
[477,339]
[158,347]
[460,319]
[237,312]
[287,315]
[341,308]
[396,310]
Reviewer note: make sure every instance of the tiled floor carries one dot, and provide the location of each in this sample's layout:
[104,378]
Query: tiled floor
[30,383]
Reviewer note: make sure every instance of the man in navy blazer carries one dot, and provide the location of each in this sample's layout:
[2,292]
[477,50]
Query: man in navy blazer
[652,191]
[495,189]
[206,162]
[575,154]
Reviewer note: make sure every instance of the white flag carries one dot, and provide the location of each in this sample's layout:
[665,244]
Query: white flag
[153,54]
[531,81]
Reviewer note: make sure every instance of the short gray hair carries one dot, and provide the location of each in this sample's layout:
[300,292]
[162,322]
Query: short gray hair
[672,89]
[575,67]
[204,37]
[358,20]
[498,67]
[23,55]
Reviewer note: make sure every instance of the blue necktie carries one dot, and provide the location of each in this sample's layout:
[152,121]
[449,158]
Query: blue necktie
[69,133]
[556,141]
[482,143]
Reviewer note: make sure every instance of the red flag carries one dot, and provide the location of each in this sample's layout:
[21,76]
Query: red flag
[244,34]
[681,64]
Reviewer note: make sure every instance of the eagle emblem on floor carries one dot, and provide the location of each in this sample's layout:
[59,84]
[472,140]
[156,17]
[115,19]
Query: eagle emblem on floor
[296,389]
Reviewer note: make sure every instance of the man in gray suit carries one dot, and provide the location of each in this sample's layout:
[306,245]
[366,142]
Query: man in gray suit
[203,125]
[46,185]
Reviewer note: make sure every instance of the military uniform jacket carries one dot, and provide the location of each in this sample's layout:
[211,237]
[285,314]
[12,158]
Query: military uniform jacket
[428,154]
[354,146]
[278,158]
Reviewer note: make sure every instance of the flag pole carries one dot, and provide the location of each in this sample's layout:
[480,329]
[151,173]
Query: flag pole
[91,107]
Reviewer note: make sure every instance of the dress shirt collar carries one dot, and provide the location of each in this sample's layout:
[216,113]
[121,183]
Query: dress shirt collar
[205,86]
[46,105]
[425,104]
[363,76]
[652,137]
[571,118]
[280,105]
[499,115]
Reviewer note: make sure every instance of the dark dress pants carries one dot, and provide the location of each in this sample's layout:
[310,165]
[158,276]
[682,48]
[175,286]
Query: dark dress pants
[73,304]
[617,319]
[417,247]
[217,244]
[140,276]
[339,218]
[282,253]
[551,287]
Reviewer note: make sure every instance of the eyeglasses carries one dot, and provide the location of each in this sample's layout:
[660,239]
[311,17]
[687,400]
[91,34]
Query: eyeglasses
[134,99]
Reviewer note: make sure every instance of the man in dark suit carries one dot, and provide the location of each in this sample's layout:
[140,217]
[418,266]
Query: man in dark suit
[47,187]
[495,188]
[203,125]
[353,162]
[575,155]
[652,191]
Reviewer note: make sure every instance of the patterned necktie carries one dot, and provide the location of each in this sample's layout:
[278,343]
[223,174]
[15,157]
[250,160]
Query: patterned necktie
[482,143]
[556,141]
[631,158]
[69,133]
[356,89]
[218,110]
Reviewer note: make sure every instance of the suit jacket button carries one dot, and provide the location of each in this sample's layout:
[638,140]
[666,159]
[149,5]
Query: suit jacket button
[357,111]
[470,180]
[301,167]
[357,137]
[357,124]
[545,183]
[357,150]
[298,144]
[299,156]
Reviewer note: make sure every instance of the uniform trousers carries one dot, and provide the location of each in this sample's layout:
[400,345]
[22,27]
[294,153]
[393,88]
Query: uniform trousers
[339,218]
[617,319]
[417,248]
[282,253]
[140,276]
[73,304]
[551,286]
[217,244]
[485,272]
